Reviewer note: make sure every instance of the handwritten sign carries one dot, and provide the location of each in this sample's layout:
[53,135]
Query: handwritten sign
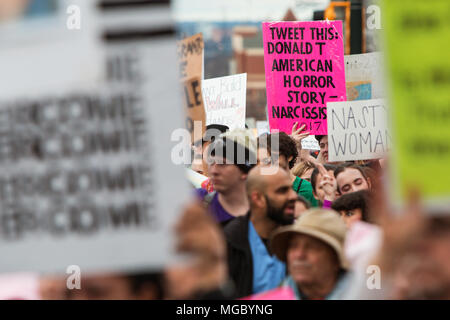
[224,100]
[310,143]
[357,130]
[304,63]
[190,56]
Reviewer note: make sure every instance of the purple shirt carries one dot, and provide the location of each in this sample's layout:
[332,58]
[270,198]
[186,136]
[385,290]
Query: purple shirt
[214,207]
[327,204]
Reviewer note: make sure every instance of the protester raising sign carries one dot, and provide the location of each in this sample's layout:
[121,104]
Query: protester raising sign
[190,56]
[357,130]
[224,100]
[304,63]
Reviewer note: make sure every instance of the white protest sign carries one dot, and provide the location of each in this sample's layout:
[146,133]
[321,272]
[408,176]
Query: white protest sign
[357,130]
[225,99]
[310,143]
[364,76]
[84,177]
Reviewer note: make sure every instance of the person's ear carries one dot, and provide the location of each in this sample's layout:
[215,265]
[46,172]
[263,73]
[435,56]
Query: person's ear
[244,176]
[369,183]
[290,159]
[257,199]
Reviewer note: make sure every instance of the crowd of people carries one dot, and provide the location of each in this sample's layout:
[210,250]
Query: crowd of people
[290,220]
[271,215]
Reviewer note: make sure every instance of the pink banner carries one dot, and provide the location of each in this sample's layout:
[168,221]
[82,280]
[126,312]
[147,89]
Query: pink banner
[304,64]
[282,293]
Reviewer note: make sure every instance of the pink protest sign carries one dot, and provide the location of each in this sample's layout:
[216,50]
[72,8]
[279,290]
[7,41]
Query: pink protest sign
[282,293]
[304,63]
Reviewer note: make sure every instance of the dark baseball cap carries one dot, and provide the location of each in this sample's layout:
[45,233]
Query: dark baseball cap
[212,131]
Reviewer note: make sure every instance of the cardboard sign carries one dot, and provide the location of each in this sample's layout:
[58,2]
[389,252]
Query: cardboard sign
[357,130]
[418,68]
[224,100]
[304,63]
[363,76]
[190,56]
[83,173]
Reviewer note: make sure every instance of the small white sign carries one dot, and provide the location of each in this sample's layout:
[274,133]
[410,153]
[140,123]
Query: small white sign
[310,143]
[357,130]
[225,99]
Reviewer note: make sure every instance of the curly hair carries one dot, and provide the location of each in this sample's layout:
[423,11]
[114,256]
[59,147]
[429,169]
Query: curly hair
[287,146]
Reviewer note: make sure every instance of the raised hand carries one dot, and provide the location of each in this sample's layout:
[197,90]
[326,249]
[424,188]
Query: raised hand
[298,135]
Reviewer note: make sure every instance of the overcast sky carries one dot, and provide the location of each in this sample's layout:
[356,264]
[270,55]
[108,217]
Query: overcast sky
[243,10]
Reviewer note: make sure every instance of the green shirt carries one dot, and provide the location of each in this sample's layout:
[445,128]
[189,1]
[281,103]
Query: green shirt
[304,189]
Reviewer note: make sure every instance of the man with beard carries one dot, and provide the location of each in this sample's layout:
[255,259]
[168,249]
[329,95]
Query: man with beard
[251,265]
[279,148]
